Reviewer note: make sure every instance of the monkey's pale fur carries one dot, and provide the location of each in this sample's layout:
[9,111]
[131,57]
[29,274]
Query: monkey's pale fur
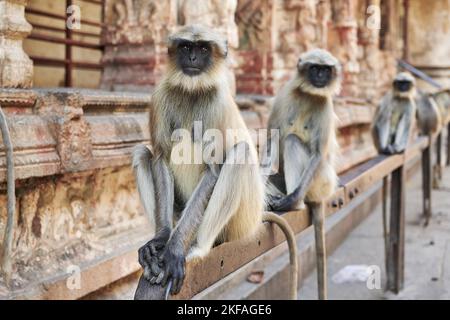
[395,116]
[235,208]
[442,98]
[429,117]
[307,111]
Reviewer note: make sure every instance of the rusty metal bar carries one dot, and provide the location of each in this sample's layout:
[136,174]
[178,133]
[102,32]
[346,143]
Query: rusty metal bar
[228,257]
[98,2]
[427,173]
[56,29]
[60,16]
[448,144]
[71,42]
[396,249]
[62,62]
[68,51]
[438,169]
[418,73]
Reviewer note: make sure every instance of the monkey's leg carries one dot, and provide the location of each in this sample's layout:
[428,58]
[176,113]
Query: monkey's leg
[172,259]
[233,192]
[310,164]
[403,132]
[318,217]
[158,203]
[180,241]
[295,157]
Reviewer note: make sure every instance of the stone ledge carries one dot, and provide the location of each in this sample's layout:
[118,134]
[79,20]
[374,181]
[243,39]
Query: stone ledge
[71,130]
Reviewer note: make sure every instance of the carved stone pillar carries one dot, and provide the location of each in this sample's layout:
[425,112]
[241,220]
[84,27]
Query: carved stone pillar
[16,68]
[135,42]
[255,55]
[273,34]
[345,47]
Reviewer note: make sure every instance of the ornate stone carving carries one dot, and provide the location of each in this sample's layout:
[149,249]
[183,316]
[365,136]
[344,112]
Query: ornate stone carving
[134,36]
[64,110]
[16,68]
[136,21]
[252,18]
[68,219]
[323,20]
[346,48]
[254,72]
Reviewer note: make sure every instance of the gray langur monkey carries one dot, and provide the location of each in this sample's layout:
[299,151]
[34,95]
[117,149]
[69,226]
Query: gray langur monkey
[394,120]
[196,204]
[393,125]
[442,98]
[429,118]
[303,113]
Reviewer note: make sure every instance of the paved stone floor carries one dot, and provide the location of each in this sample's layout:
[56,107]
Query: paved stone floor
[427,252]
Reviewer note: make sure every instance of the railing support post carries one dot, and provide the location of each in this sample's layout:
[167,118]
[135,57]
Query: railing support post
[426,183]
[448,144]
[318,218]
[438,167]
[396,249]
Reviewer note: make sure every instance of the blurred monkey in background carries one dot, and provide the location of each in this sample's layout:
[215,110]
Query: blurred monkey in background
[394,119]
[303,113]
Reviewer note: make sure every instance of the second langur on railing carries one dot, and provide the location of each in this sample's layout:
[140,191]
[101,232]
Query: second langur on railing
[195,205]
[442,98]
[429,119]
[304,115]
[394,119]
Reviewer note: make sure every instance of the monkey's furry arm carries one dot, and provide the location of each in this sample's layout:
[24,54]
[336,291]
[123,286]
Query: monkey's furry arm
[293,143]
[404,130]
[381,125]
[158,204]
[173,257]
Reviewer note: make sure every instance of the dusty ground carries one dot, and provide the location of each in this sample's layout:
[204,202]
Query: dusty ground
[427,252]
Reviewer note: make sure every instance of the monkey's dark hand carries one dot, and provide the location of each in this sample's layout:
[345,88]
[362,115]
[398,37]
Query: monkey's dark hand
[150,253]
[174,261]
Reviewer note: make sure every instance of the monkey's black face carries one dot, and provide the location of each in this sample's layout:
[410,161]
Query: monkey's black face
[319,75]
[402,85]
[193,57]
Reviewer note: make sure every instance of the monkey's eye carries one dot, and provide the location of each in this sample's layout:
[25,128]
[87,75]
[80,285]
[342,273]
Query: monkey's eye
[185,47]
[314,69]
[204,49]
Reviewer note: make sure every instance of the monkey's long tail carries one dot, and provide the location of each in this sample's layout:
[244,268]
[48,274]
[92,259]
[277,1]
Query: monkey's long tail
[8,237]
[290,237]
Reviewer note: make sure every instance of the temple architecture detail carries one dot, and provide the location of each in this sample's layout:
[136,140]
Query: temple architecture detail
[16,68]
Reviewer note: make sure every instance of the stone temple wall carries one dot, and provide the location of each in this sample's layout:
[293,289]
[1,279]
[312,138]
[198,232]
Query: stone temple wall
[265,38]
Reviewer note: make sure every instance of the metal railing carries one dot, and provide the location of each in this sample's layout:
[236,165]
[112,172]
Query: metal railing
[68,40]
